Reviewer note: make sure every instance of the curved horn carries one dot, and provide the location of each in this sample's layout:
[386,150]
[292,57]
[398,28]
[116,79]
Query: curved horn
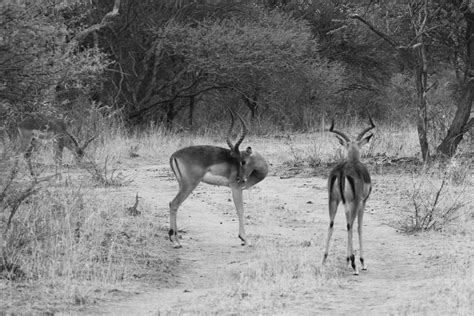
[88,141]
[372,125]
[72,138]
[331,129]
[230,129]
[244,132]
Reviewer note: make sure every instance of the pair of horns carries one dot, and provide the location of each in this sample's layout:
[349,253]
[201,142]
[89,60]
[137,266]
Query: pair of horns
[244,131]
[74,140]
[361,134]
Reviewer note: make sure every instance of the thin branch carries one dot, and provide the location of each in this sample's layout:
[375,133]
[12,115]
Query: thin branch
[175,97]
[379,33]
[108,19]
[119,90]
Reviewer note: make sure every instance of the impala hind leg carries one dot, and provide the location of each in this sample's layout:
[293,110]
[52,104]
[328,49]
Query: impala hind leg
[351,213]
[58,159]
[360,217]
[30,148]
[184,190]
[333,203]
[239,205]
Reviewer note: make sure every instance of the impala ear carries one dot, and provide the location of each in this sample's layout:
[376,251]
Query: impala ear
[365,140]
[249,150]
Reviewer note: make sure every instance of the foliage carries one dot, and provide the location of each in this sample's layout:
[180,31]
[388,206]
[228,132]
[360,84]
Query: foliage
[269,57]
[38,64]
[285,62]
[245,54]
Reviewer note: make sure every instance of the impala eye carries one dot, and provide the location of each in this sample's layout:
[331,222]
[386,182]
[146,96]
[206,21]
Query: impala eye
[243,162]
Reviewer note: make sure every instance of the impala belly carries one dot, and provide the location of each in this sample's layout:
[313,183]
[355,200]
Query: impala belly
[218,174]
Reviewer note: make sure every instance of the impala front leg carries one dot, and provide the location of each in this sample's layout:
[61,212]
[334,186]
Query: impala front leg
[239,205]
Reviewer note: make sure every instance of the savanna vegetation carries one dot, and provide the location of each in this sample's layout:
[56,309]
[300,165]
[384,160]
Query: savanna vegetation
[146,78]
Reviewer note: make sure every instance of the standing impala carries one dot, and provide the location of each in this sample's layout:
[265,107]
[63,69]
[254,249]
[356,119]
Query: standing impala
[219,166]
[36,129]
[350,183]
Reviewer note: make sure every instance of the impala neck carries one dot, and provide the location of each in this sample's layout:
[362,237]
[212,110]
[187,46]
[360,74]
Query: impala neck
[353,153]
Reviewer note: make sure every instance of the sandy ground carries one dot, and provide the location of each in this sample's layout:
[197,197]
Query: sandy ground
[402,267]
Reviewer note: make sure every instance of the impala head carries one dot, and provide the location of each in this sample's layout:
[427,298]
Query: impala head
[241,157]
[353,146]
[79,150]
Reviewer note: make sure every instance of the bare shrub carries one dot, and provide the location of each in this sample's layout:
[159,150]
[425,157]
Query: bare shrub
[105,175]
[435,202]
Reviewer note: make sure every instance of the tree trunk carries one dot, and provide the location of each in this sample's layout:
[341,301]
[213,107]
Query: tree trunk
[252,103]
[421,76]
[461,123]
[191,111]
[419,17]
[170,115]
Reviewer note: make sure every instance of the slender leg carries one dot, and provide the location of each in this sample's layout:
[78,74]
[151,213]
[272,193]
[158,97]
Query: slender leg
[360,218]
[333,203]
[174,205]
[351,213]
[186,186]
[26,138]
[239,205]
[28,153]
[58,158]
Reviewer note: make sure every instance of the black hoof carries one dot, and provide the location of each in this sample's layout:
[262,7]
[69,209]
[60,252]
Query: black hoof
[244,241]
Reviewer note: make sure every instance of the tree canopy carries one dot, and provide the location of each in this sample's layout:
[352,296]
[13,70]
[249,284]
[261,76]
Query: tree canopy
[286,63]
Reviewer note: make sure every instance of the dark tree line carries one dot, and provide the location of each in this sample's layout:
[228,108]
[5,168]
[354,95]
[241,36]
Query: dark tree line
[288,63]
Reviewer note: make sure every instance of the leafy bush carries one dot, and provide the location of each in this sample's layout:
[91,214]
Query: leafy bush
[267,60]
[42,68]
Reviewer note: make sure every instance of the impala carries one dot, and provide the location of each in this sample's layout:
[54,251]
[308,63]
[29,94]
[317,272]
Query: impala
[350,183]
[36,129]
[231,167]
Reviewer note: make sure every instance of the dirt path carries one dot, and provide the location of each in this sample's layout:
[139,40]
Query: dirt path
[287,209]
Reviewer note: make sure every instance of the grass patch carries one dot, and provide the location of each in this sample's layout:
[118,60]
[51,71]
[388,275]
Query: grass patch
[74,244]
[67,246]
[450,291]
[322,149]
[270,282]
